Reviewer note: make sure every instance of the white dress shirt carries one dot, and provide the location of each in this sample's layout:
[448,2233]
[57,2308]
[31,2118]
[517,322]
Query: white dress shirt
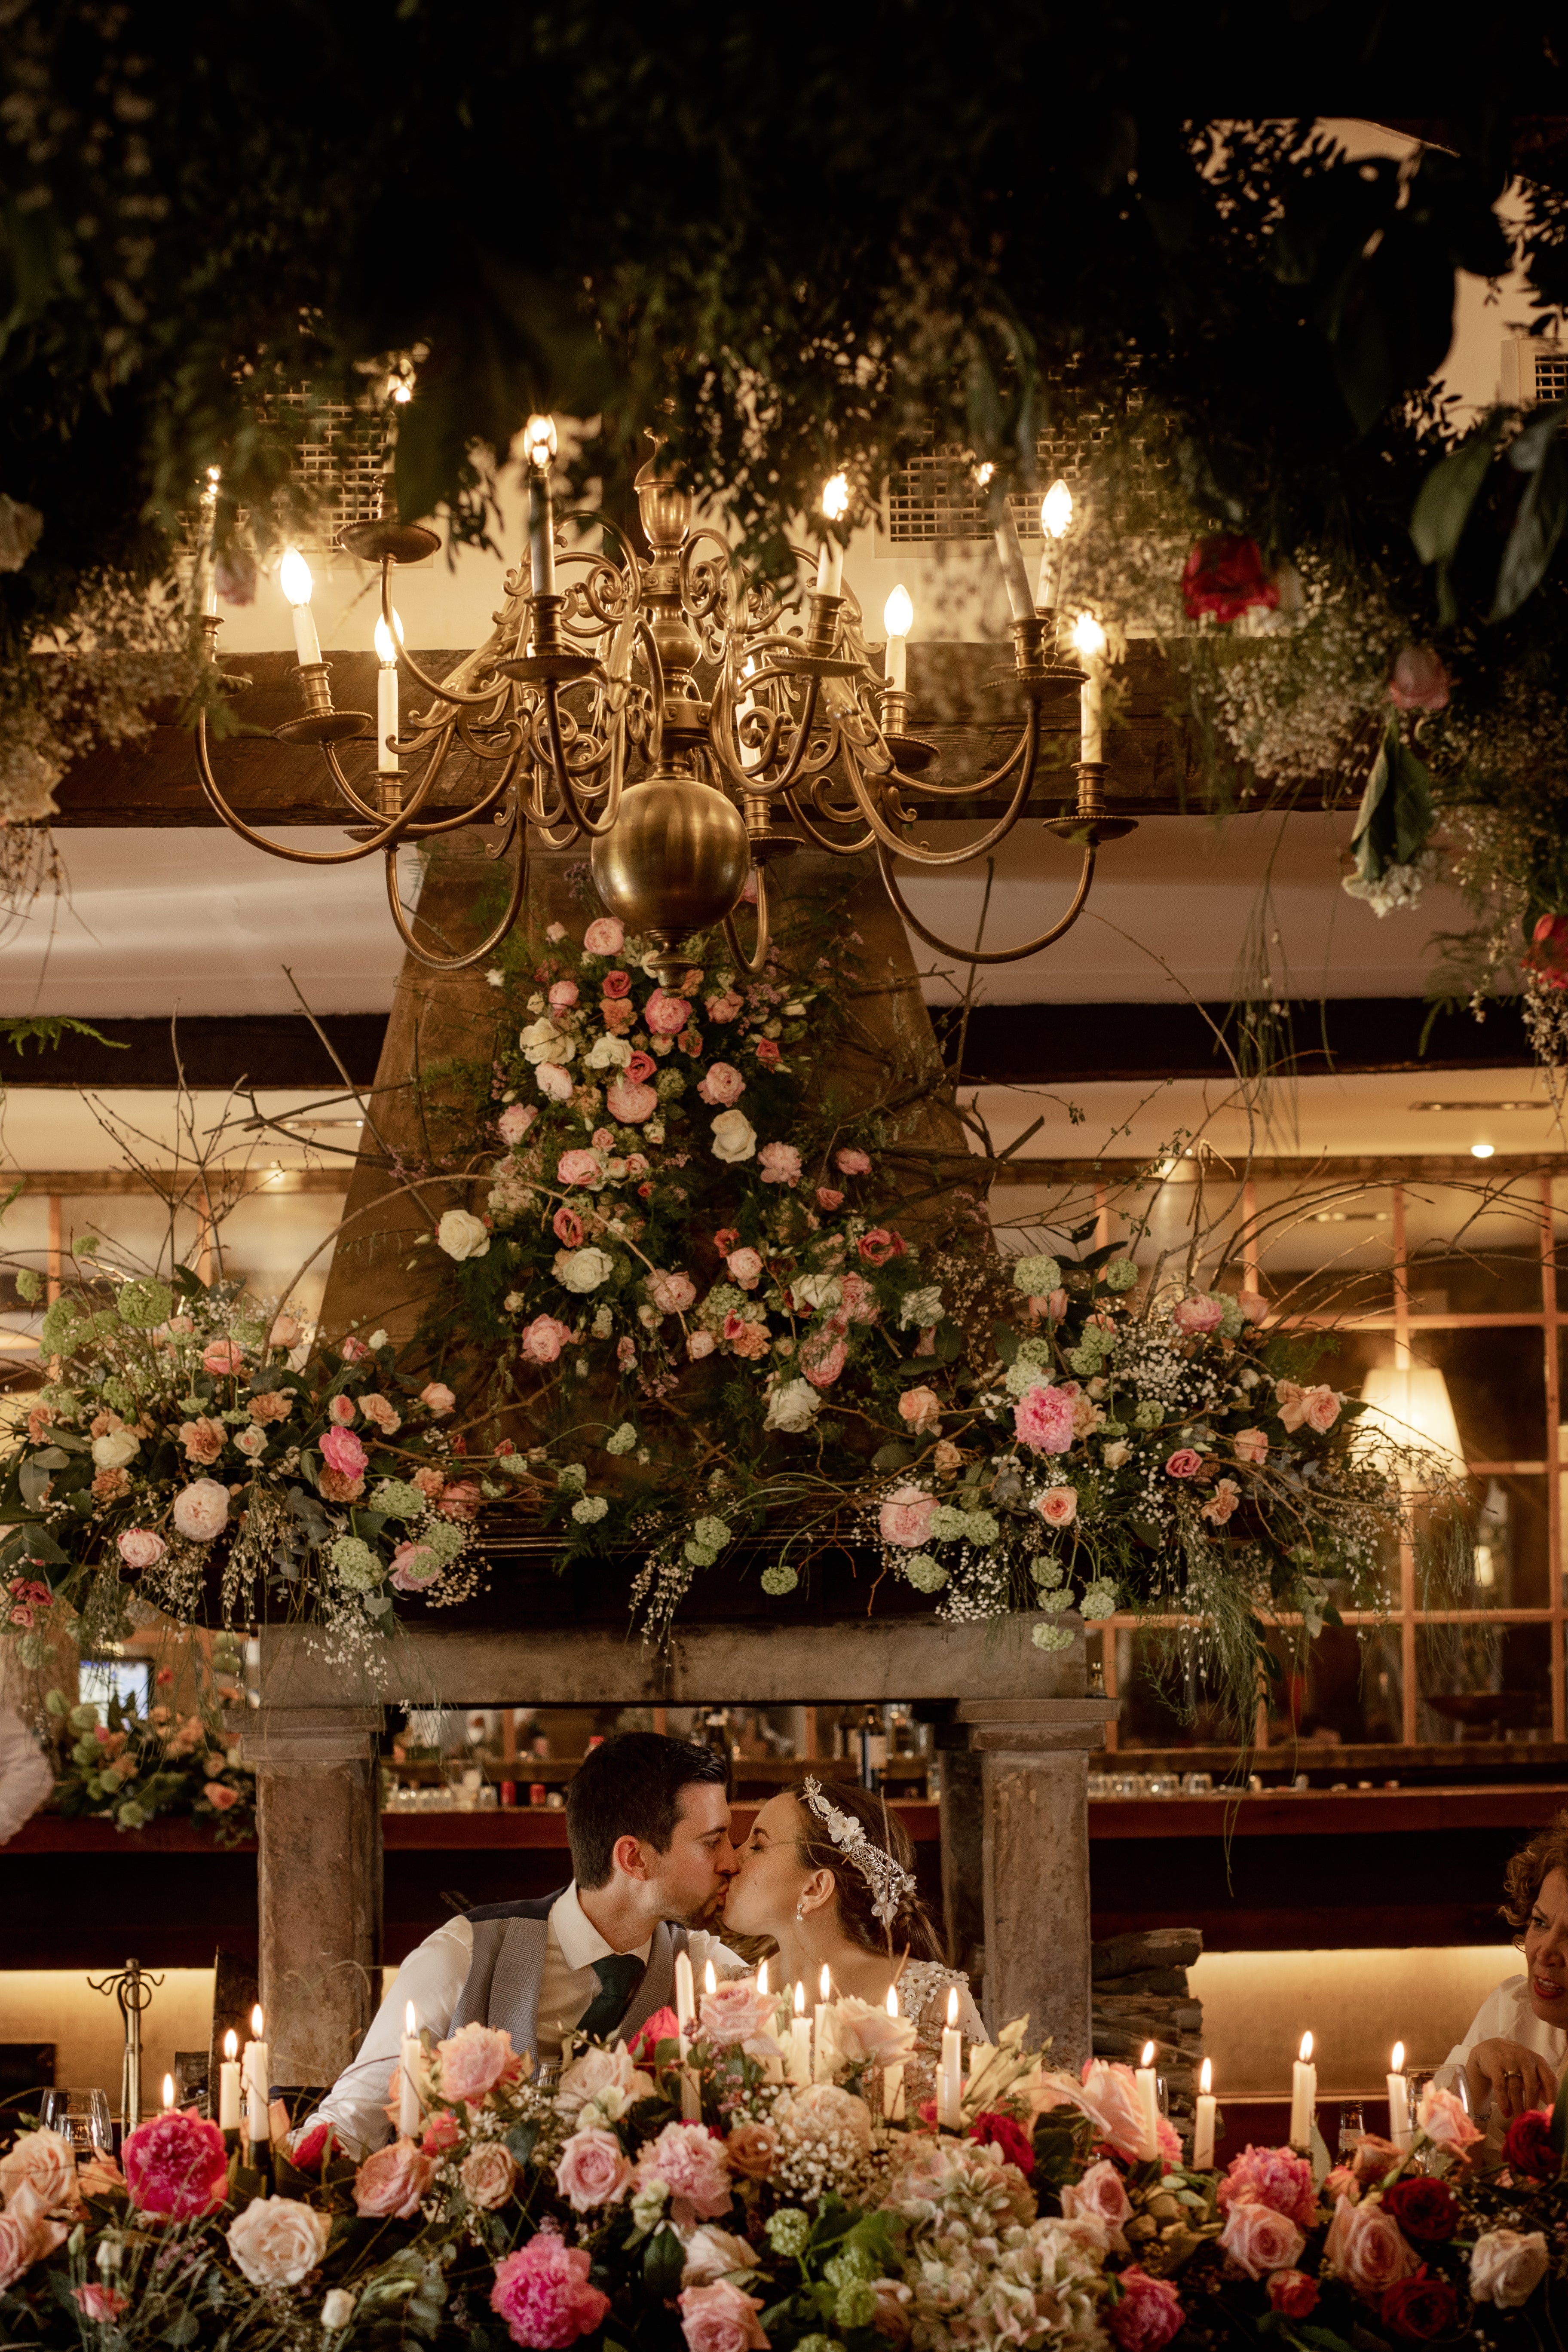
[1506,2015]
[433,1977]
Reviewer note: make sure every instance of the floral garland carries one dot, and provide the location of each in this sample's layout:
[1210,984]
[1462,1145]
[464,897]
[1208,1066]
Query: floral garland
[710,2189]
[120,1765]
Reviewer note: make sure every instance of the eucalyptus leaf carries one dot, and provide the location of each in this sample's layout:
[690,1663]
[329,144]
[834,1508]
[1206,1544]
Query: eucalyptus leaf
[1537,528]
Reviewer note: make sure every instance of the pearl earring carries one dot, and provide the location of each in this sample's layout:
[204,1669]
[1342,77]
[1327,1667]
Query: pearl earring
[800,1910]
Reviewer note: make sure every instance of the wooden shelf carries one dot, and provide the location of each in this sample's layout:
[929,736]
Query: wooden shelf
[1324,1812]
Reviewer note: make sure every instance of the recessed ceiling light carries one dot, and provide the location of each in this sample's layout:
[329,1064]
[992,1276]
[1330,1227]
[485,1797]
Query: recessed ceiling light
[1481,1151]
[1478,1106]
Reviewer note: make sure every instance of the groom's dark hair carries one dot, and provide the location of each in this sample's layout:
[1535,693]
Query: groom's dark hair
[631,1787]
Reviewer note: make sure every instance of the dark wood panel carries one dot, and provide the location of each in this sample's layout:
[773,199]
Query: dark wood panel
[214,1050]
[1325,1813]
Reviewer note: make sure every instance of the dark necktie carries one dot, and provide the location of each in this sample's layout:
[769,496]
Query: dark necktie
[619,1974]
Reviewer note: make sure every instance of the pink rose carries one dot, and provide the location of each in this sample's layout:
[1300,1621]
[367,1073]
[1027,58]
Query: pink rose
[103,2305]
[1251,1445]
[1444,2120]
[42,2161]
[826,1198]
[489,2174]
[667,1016]
[922,1408]
[140,1548]
[201,1511]
[823,1358]
[1253,1307]
[285,1331]
[543,2294]
[460,1498]
[393,2180]
[553,1083]
[414,1567]
[176,2165]
[851,1162]
[1222,1502]
[1419,681]
[579,1168]
[879,1244]
[736,2011]
[1149,2312]
[631,1105]
[1059,1505]
[722,1086]
[1100,2196]
[1183,1463]
[222,1356]
[698,1345]
[515,1121]
[1341,2181]
[725,1007]
[695,2170]
[744,1266]
[768,1052]
[1273,2177]
[605,936]
[616,987]
[438,1398]
[860,1300]
[27,2235]
[672,1294]
[567,1228]
[340,1409]
[592,2169]
[1258,2239]
[220,1796]
[473,2060]
[1108,2097]
[1318,1407]
[640,1068]
[1293,2294]
[719,2319]
[341,1451]
[562,995]
[382,1413]
[1366,2247]
[779,1163]
[662,2026]
[754,2151]
[1197,1314]
[905,1517]
[1043,1418]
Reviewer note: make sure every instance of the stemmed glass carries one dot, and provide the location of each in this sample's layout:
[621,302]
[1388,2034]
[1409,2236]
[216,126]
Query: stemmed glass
[82,2117]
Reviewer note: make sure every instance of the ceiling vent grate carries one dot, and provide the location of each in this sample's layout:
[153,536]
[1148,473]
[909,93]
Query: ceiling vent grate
[1533,371]
[339,457]
[936,497]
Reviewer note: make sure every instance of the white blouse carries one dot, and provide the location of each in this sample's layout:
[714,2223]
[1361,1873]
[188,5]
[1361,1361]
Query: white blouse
[1506,2015]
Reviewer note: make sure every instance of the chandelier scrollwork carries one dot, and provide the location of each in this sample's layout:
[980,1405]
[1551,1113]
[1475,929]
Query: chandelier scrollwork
[691,721]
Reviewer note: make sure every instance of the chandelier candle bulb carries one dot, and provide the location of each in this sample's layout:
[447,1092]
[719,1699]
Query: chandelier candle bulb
[294,578]
[1303,2096]
[1148,2087]
[209,543]
[830,562]
[1204,2123]
[898,619]
[1399,2130]
[1088,642]
[800,2039]
[407,2076]
[1056,518]
[950,2079]
[538,444]
[386,701]
[893,2074]
[228,2084]
[1014,571]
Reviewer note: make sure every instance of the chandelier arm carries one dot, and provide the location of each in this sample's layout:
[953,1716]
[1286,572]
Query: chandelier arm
[471,816]
[655,660]
[594,827]
[753,969]
[833,848]
[967,789]
[1002,955]
[971,849]
[388,839]
[487,945]
[366,808]
[792,766]
[456,695]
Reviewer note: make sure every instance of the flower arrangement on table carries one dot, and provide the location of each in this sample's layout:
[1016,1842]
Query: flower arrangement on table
[115,1764]
[715,2187]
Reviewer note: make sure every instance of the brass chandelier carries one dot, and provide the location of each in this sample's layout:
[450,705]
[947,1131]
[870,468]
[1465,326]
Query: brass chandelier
[689,721]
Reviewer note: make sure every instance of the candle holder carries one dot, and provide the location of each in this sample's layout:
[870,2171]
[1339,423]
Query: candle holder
[321,723]
[912,754]
[1091,821]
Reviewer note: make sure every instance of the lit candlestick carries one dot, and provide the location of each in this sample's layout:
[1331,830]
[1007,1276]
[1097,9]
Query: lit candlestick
[819,2066]
[685,2012]
[1055,517]
[538,445]
[830,562]
[1202,2129]
[1014,571]
[408,2076]
[1399,2127]
[258,2066]
[168,2093]
[1148,2085]
[209,542]
[950,2079]
[385,699]
[1089,638]
[800,2039]
[898,619]
[893,2074]
[1303,2096]
[294,579]
[763,1981]
[228,2084]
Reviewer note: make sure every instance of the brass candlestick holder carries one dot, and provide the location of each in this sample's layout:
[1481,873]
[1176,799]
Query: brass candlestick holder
[134,1987]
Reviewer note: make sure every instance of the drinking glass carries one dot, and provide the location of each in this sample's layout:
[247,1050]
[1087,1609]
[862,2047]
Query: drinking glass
[82,2117]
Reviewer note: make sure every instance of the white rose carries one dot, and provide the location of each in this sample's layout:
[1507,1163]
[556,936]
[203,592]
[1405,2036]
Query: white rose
[115,1448]
[1507,2267]
[920,1309]
[824,2112]
[816,1291]
[582,1269]
[712,2253]
[609,1054]
[792,1406]
[338,2304]
[278,2242]
[462,1236]
[1115,1455]
[734,1136]
[250,1441]
[542,1041]
[201,1509]
[598,2070]
[553,1082]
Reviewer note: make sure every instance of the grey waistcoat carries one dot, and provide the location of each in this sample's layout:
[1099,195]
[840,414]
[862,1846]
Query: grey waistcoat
[502,1984]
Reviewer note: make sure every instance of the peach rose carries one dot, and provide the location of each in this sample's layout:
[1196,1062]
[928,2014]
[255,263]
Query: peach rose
[672,1294]
[473,2060]
[222,1356]
[393,2179]
[592,2169]
[719,2319]
[140,1548]
[922,1408]
[489,2174]
[754,2151]
[744,1266]
[278,2242]
[1258,2239]
[438,1398]
[43,2162]
[1442,2116]
[1057,1505]
[27,2235]
[1366,2248]
[1252,1446]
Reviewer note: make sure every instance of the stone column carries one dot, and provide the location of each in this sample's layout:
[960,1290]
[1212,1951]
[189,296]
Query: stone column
[319,1896]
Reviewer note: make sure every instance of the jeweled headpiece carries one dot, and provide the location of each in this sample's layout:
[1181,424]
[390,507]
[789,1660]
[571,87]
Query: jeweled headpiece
[888,1881]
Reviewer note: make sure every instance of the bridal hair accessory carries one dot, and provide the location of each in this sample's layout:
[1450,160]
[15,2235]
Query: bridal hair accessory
[889,1883]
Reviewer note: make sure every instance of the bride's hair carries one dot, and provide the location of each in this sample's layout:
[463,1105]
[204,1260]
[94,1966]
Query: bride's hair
[910,1929]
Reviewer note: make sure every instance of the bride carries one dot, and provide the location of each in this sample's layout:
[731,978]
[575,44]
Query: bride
[831,1881]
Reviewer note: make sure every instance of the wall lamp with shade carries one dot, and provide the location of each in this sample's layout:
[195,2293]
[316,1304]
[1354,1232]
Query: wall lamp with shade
[1410,1408]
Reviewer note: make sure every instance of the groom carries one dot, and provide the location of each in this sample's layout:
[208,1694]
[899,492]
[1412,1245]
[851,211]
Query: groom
[647,1821]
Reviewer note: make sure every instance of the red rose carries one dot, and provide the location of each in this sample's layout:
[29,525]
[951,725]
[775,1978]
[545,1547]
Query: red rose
[1292,2293]
[1428,2208]
[993,2129]
[313,2148]
[662,2026]
[1546,957]
[1224,575]
[879,1244]
[617,984]
[1420,2308]
[1528,2148]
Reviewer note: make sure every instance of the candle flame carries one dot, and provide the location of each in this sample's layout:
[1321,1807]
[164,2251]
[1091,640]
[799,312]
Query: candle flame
[385,647]
[1396,2063]
[825,1982]
[294,577]
[835,497]
[231,2044]
[952,2004]
[1147,2057]
[168,2090]
[899,613]
[1088,636]
[799,1997]
[539,441]
[258,2023]
[1306,2047]
[982,474]
[709,1978]
[1055,510]
[1205,2076]
[892,2000]
[763,1981]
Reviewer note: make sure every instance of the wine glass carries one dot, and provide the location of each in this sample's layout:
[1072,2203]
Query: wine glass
[82,2117]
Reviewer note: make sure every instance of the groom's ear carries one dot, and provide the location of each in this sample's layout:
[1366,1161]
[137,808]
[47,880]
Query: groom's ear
[628,1855]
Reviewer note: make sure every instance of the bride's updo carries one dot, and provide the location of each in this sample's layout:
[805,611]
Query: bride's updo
[910,1930]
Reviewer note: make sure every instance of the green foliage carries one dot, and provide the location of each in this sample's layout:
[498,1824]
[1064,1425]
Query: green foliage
[47,1029]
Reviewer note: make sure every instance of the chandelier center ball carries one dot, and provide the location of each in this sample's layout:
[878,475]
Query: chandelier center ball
[674,861]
